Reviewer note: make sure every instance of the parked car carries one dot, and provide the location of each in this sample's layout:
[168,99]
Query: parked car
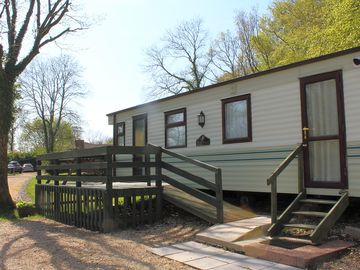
[27,167]
[14,166]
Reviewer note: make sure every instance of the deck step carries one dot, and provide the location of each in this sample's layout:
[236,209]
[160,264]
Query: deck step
[318,201]
[310,213]
[294,240]
[300,226]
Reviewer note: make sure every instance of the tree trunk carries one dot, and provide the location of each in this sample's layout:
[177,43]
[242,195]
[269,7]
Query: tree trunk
[12,139]
[6,202]
[7,97]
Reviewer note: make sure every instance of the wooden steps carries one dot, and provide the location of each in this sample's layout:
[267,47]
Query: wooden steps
[318,201]
[300,226]
[303,213]
[310,213]
[202,209]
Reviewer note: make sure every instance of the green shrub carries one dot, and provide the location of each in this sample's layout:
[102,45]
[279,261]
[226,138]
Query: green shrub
[25,209]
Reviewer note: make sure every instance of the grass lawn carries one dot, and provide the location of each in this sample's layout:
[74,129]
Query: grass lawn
[30,189]
[14,215]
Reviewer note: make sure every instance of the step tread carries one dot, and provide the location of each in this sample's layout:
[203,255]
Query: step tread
[294,239]
[318,201]
[300,226]
[310,213]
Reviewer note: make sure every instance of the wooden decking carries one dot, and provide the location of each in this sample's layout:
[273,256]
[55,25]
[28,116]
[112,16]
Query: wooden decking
[96,188]
[202,209]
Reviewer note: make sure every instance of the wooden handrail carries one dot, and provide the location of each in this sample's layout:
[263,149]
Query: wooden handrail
[190,160]
[272,180]
[284,164]
[216,187]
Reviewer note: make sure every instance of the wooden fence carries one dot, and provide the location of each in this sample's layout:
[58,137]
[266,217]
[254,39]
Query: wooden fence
[87,207]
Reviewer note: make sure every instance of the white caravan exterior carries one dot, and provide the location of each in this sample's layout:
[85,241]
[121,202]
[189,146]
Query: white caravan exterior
[283,102]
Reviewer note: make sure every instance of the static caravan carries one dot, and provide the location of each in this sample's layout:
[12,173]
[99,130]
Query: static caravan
[247,126]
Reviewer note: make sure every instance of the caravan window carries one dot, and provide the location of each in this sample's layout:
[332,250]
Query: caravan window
[236,118]
[175,128]
[120,134]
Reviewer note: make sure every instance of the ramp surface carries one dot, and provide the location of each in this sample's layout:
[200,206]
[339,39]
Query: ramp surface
[202,209]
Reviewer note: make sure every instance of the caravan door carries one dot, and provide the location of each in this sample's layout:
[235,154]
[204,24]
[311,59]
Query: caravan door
[139,139]
[323,130]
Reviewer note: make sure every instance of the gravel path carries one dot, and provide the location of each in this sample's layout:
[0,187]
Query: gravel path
[45,244]
[39,243]
[17,185]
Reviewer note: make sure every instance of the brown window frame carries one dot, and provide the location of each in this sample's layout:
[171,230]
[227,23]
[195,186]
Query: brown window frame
[116,134]
[177,124]
[225,101]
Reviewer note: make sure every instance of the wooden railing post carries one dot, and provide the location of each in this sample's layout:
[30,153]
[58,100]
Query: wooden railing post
[158,183]
[109,185]
[78,214]
[158,170]
[219,196]
[274,201]
[37,198]
[147,167]
[38,171]
[108,222]
[78,172]
[301,171]
[56,172]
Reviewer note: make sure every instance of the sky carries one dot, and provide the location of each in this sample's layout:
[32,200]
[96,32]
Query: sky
[112,51]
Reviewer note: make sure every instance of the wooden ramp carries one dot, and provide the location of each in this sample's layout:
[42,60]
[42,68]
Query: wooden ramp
[202,209]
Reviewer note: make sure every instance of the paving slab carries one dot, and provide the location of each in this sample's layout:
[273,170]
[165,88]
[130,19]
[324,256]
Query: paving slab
[164,251]
[201,256]
[190,245]
[230,267]
[186,256]
[206,263]
[301,257]
[230,257]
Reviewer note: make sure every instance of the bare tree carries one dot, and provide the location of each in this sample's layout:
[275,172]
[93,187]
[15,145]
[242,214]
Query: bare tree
[29,24]
[226,50]
[182,62]
[48,88]
[97,137]
[19,120]
[234,54]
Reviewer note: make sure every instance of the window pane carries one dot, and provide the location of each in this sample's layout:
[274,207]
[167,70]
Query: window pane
[175,136]
[121,140]
[236,124]
[175,118]
[139,129]
[324,161]
[120,129]
[321,108]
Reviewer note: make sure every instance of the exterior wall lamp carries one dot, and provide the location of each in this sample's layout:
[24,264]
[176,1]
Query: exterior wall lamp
[201,119]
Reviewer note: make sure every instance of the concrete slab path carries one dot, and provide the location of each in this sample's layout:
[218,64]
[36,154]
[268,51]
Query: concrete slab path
[201,256]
